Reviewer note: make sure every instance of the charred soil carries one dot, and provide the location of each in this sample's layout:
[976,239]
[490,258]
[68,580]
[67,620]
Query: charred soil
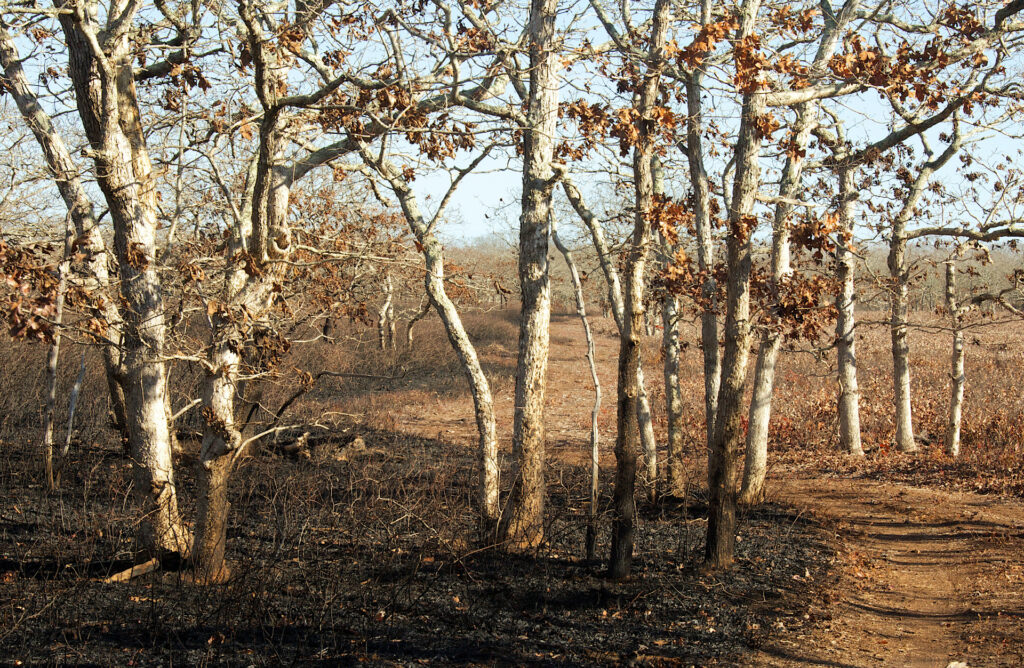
[368,560]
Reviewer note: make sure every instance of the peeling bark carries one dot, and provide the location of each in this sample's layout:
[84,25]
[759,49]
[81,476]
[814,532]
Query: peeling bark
[524,521]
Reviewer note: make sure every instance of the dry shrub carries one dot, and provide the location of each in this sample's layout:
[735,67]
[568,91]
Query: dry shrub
[487,328]
[23,392]
[804,429]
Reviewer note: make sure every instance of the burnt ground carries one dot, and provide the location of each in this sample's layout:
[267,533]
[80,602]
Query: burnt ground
[370,559]
[366,560]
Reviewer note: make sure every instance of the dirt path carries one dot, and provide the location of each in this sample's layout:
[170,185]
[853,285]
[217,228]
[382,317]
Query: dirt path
[927,577]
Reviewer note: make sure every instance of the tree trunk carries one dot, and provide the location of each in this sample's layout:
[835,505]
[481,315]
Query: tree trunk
[648,441]
[105,94]
[705,248]
[249,293]
[611,274]
[524,525]
[421,313]
[721,532]
[386,316]
[221,440]
[620,563]
[581,311]
[672,348]
[213,509]
[483,403]
[755,462]
[759,417]
[899,306]
[671,334]
[480,389]
[52,358]
[849,393]
[755,466]
[956,396]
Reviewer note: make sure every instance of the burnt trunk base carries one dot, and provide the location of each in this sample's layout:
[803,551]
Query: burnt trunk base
[720,546]
[208,560]
[620,564]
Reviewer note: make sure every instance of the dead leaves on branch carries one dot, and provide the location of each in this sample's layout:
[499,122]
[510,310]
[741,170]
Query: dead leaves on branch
[704,42]
[30,284]
[596,122]
[798,306]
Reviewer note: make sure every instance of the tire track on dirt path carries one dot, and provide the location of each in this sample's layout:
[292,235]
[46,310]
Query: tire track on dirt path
[927,577]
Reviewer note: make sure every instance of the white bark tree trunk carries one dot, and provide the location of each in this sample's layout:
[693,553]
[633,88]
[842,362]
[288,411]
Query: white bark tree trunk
[80,208]
[755,461]
[957,377]
[759,416]
[524,521]
[52,358]
[421,313]
[705,246]
[386,315]
[672,348]
[105,94]
[483,403]
[261,230]
[899,306]
[671,335]
[755,466]
[846,300]
[899,303]
[611,274]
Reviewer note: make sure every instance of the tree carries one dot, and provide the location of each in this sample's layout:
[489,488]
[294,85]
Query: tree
[434,281]
[756,460]
[846,301]
[609,268]
[671,343]
[524,521]
[101,70]
[627,428]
